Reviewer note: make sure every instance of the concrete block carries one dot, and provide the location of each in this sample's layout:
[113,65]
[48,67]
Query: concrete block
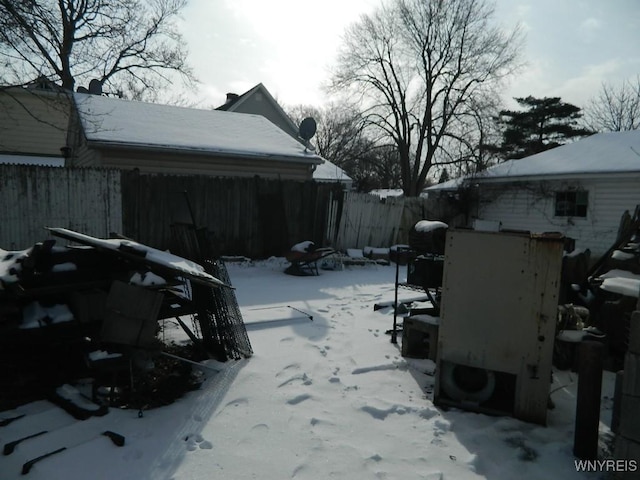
[629,418]
[634,334]
[629,452]
[631,383]
[420,337]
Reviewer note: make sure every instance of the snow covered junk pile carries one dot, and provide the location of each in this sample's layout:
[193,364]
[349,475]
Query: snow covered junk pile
[93,310]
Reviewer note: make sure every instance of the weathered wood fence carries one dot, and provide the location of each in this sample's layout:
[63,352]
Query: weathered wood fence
[253,217]
[367,220]
[248,216]
[31,198]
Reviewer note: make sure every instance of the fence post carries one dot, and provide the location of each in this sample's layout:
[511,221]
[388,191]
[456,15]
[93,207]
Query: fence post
[590,358]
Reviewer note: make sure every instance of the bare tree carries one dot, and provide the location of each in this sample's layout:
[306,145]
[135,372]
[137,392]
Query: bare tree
[339,133]
[615,109]
[129,46]
[470,148]
[342,138]
[417,66]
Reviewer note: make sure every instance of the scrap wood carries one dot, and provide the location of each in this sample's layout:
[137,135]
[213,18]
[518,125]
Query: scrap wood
[139,253]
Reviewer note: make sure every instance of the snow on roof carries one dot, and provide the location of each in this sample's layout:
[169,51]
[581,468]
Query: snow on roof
[117,122]
[330,172]
[610,152]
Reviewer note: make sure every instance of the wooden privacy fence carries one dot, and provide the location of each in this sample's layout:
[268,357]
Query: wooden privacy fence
[253,217]
[32,197]
[367,220]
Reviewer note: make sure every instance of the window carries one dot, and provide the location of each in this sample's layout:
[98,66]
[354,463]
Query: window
[572,203]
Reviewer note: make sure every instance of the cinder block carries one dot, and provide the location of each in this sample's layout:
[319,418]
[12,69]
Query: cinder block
[420,337]
[629,418]
[631,383]
[628,451]
[634,334]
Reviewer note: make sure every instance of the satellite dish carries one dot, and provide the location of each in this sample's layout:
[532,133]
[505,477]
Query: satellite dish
[95,87]
[307,128]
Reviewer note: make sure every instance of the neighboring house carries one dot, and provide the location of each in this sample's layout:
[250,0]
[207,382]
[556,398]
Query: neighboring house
[259,101]
[33,125]
[580,189]
[116,133]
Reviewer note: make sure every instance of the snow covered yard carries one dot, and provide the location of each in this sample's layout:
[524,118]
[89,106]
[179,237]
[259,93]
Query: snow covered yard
[324,398]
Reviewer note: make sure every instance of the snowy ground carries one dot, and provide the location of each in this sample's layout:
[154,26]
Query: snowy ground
[327,398]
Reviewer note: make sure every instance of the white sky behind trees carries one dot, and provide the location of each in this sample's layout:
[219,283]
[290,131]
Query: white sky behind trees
[571,47]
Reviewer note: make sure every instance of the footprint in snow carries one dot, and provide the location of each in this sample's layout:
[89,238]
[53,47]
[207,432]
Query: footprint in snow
[292,366]
[195,441]
[237,402]
[261,427]
[303,378]
[298,399]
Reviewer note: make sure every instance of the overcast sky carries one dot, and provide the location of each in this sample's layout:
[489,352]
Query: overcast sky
[572,46]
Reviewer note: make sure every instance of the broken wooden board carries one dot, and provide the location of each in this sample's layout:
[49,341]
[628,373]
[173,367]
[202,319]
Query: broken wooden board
[136,252]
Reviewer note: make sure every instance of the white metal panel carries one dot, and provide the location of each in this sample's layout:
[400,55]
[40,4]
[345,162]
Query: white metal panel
[499,304]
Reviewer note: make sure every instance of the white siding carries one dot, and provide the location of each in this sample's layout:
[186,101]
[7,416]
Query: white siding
[531,207]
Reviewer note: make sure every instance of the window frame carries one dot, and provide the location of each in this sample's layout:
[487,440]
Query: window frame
[576,203]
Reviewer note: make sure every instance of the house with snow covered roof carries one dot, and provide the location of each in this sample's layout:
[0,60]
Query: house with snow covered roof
[580,189]
[259,101]
[117,133]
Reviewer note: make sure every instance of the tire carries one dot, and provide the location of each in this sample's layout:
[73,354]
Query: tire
[467,384]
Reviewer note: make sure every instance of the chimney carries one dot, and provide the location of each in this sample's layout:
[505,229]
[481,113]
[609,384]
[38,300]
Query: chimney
[232,97]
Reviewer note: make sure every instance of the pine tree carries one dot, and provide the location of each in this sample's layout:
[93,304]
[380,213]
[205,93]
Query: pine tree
[544,124]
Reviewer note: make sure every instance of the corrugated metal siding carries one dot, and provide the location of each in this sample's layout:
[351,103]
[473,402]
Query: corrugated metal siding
[531,207]
[31,198]
[33,122]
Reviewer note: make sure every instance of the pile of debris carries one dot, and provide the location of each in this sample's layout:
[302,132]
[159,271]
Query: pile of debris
[93,311]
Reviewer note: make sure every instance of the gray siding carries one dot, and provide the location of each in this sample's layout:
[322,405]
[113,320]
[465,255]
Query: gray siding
[33,122]
[531,207]
[258,104]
